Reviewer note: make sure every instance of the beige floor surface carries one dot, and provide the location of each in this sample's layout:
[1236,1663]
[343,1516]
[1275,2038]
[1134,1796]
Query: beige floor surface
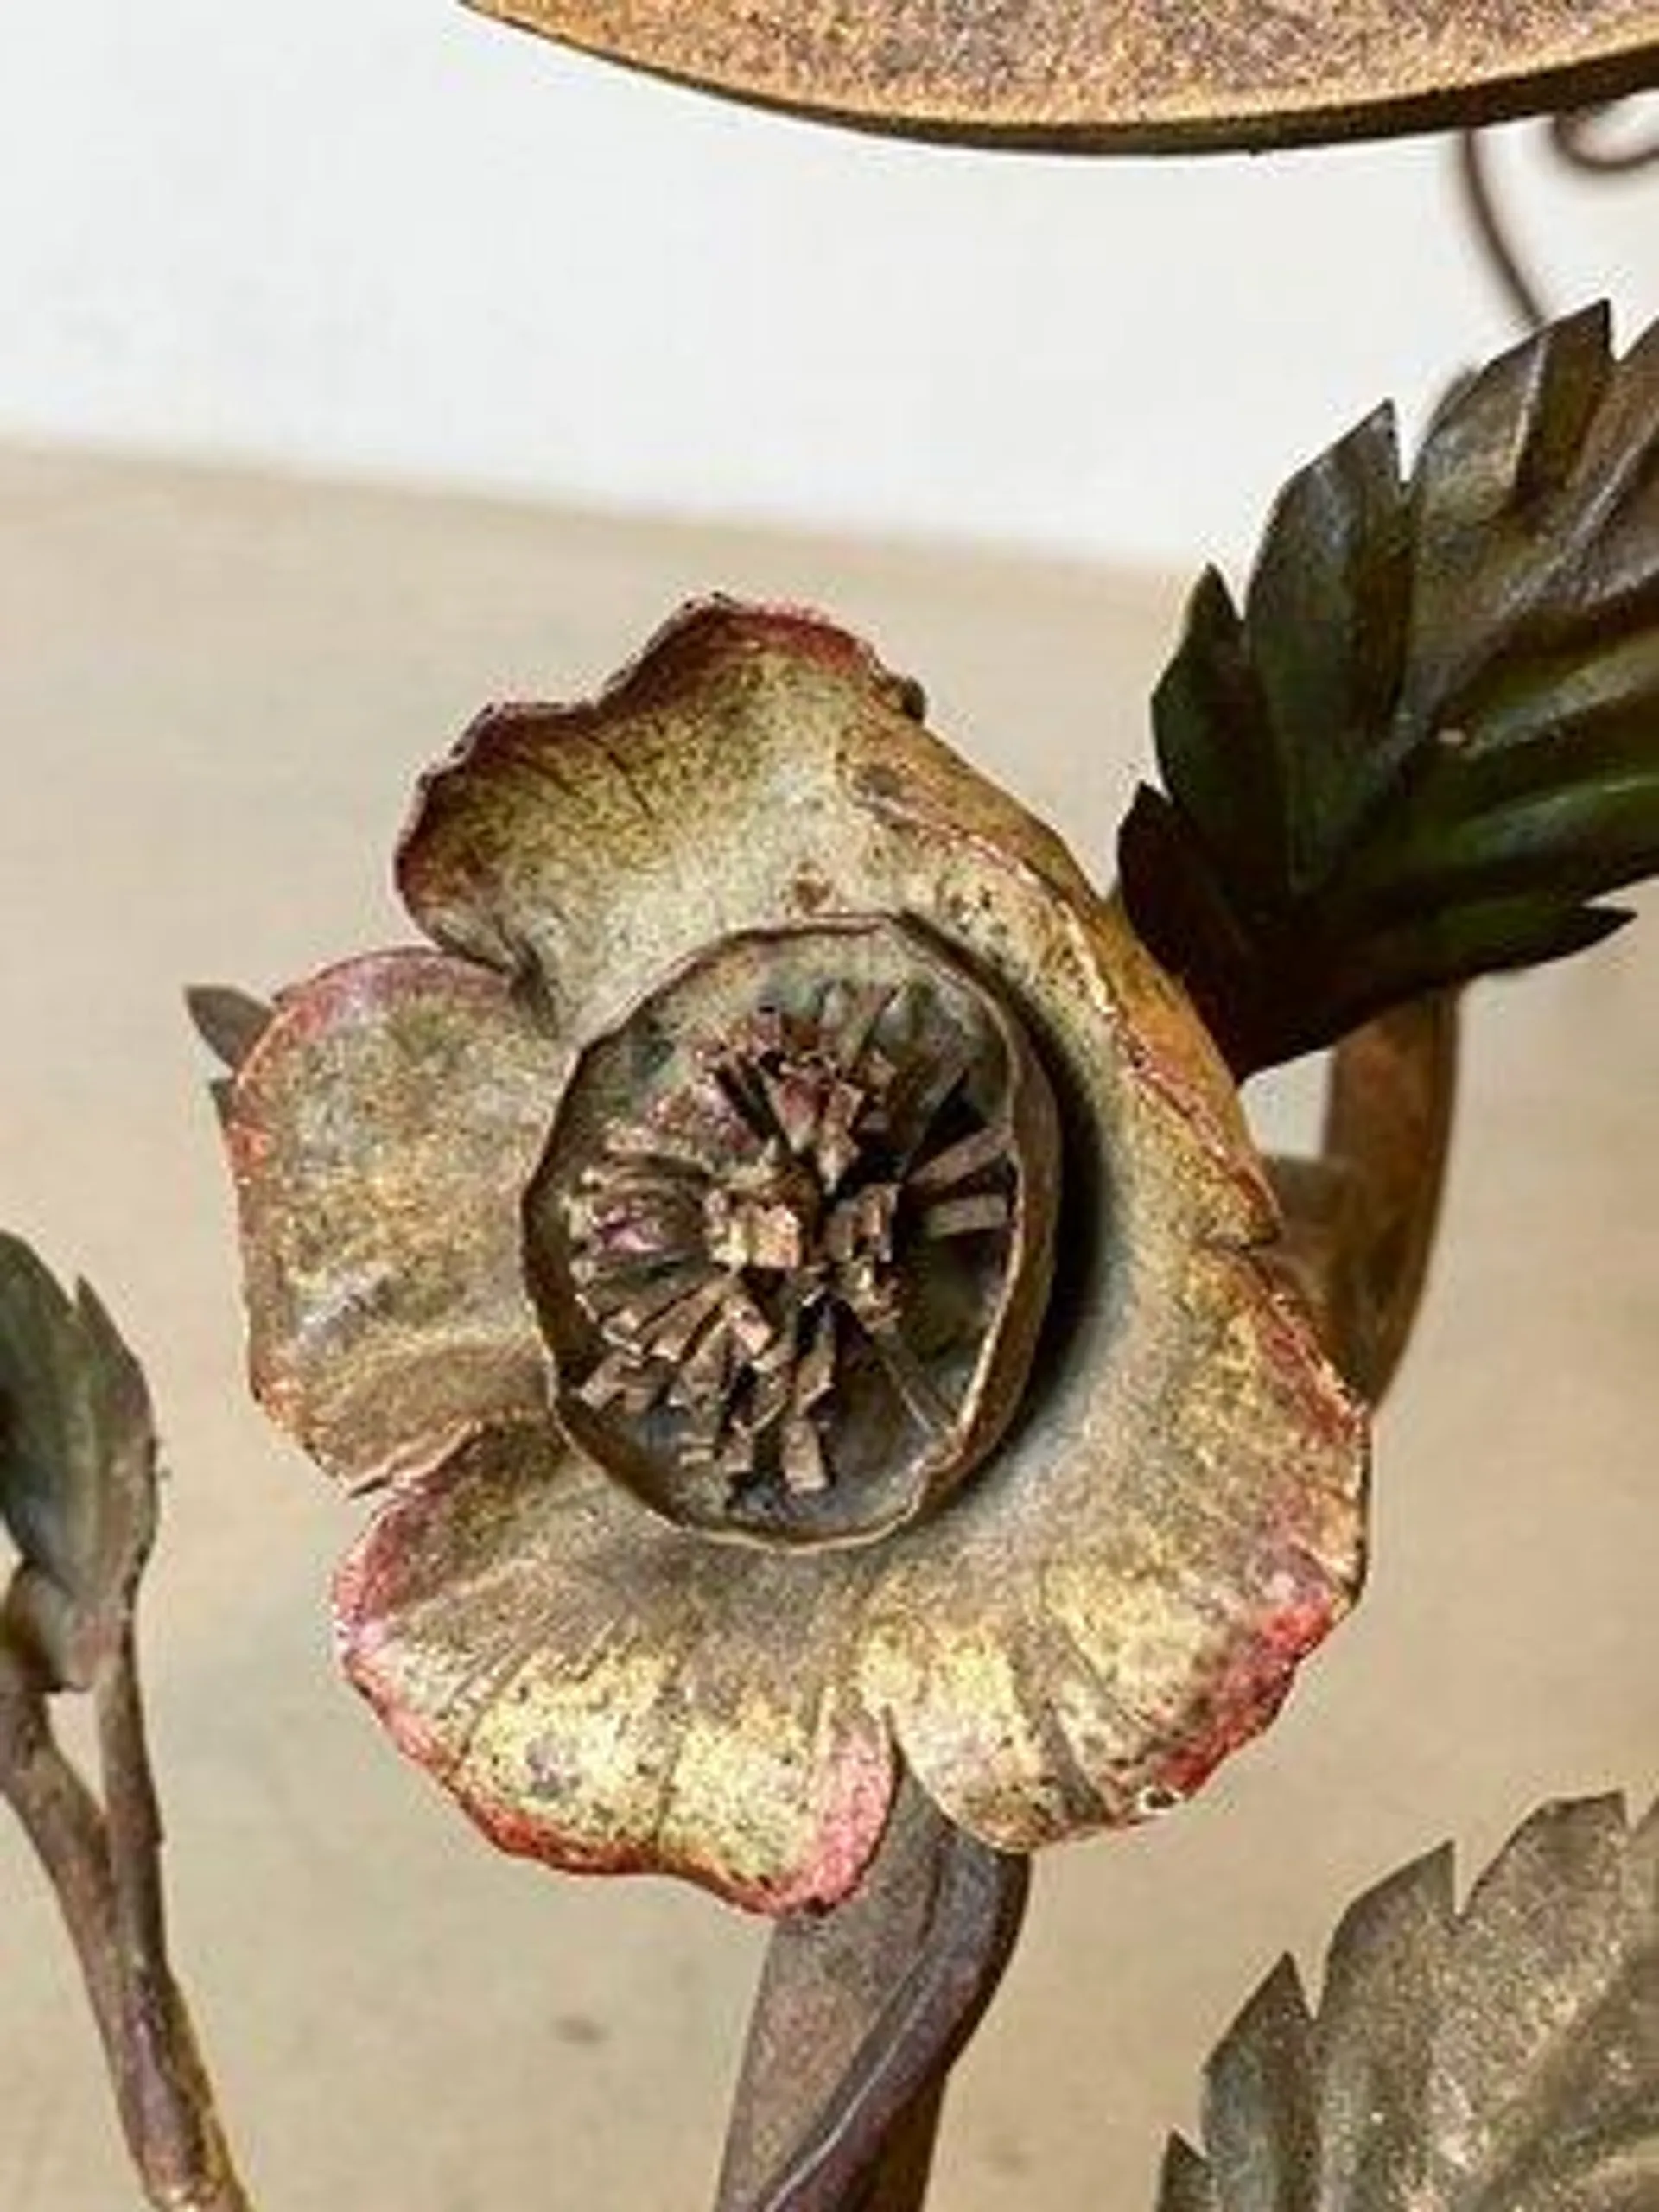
[214,691]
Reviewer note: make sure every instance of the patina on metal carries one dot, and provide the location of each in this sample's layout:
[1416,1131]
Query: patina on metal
[844,2078]
[1360,1219]
[749,822]
[1419,746]
[1503,2049]
[792,1235]
[1129,75]
[1422,750]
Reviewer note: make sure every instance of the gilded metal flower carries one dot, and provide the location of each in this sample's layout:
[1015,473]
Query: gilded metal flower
[791,1261]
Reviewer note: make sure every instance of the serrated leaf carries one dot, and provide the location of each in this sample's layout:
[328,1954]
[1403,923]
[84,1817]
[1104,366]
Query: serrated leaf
[1325,622]
[1233,792]
[1504,2057]
[1436,719]
[77,1465]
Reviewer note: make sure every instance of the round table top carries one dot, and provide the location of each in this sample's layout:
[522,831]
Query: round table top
[1130,75]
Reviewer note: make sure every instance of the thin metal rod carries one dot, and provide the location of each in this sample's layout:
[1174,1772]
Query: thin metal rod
[60,1818]
[104,1864]
[185,2157]
[1576,140]
[1576,137]
[1360,1220]
[1480,198]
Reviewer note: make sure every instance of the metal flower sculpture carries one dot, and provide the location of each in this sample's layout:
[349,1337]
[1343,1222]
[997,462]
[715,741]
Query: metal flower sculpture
[847,1404]
[796,1262]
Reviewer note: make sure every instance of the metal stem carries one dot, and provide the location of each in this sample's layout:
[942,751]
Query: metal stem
[182,2151]
[104,1862]
[860,2016]
[1575,139]
[1360,1220]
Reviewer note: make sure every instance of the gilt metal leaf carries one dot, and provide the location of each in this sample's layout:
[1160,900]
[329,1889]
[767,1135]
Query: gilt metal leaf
[1501,2059]
[78,1474]
[1429,739]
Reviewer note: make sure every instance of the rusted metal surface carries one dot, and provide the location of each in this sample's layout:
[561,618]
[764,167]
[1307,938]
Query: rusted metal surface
[1360,1219]
[1075,1638]
[859,2017]
[861,2013]
[1129,74]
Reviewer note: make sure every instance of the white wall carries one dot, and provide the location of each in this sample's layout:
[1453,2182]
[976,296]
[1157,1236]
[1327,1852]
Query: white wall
[384,236]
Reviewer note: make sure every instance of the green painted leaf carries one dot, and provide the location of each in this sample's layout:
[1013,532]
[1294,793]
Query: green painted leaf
[77,1466]
[1430,742]
[1503,2055]
[230,1022]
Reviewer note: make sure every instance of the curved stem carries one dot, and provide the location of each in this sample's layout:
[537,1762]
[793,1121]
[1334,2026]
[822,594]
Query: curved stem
[1360,1219]
[1574,139]
[1481,200]
[182,2151]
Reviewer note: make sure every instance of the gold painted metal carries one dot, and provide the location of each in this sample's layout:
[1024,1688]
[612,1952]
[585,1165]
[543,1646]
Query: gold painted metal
[843,2077]
[1129,75]
[1081,1633]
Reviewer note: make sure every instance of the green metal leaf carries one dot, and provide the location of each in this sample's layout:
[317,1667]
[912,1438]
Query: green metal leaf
[78,1467]
[230,1022]
[1505,2056]
[1431,741]
[1324,620]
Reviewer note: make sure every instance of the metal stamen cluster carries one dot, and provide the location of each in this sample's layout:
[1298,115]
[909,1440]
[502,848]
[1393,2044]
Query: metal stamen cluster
[747,1251]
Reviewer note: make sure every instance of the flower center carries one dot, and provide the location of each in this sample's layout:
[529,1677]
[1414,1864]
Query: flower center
[789,1240]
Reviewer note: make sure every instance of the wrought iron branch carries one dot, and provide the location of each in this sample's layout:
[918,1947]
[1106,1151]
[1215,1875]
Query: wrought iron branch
[78,1496]
[1578,142]
[103,1860]
[1360,1218]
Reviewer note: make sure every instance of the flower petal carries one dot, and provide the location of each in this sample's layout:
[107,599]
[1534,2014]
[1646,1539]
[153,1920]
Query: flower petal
[1117,1598]
[381,1133]
[1120,1594]
[1095,1628]
[609,1694]
[609,840]
[756,767]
